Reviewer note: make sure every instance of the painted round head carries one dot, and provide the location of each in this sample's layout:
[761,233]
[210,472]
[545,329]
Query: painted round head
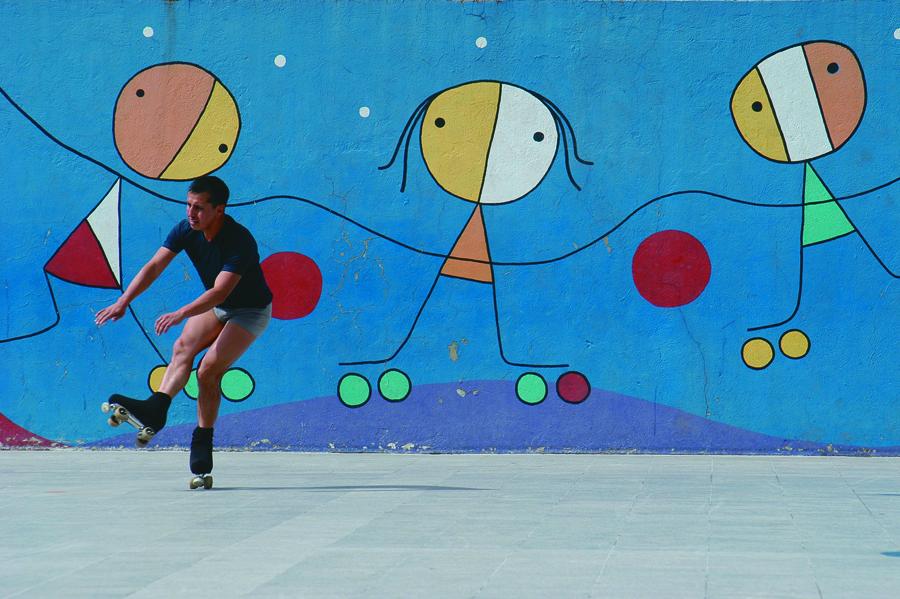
[488,142]
[175,121]
[801,102]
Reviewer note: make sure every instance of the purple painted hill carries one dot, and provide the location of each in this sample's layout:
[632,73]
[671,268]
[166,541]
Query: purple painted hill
[484,416]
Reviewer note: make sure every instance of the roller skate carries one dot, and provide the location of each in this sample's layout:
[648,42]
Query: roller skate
[147,416]
[201,458]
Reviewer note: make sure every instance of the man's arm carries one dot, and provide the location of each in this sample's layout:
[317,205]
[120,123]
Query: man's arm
[221,289]
[145,277]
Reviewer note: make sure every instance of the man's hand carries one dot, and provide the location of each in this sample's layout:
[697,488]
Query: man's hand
[167,321]
[113,312]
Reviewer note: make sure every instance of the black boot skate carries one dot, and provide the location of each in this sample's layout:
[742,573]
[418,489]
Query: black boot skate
[201,458]
[148,416]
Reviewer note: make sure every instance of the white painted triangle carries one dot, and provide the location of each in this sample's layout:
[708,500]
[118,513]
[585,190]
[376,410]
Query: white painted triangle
[104,222]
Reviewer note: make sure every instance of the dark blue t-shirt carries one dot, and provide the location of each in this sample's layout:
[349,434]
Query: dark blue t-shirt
[233,249]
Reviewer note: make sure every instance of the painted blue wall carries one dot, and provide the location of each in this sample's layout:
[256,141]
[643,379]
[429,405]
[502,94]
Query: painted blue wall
[646,88]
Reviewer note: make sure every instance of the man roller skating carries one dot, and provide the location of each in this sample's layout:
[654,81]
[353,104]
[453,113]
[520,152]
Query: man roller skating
[227,318]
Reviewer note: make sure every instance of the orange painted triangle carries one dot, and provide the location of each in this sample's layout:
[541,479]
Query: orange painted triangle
[81,260]
[472,244]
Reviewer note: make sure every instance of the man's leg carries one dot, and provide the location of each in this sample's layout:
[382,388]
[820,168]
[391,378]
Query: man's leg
[231,343]
[198,333]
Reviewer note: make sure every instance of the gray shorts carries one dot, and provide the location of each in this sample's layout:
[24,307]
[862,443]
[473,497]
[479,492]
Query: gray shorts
[253,320]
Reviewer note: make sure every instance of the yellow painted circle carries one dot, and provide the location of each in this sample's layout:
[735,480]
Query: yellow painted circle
[794,344]
[156,378]
[757,353]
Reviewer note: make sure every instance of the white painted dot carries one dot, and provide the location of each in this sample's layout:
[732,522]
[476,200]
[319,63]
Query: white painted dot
[897,33]
[481,42]
[364,112]
[280,61]
[148,31]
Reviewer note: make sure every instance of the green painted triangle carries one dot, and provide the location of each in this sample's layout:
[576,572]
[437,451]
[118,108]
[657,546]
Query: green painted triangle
[821,222]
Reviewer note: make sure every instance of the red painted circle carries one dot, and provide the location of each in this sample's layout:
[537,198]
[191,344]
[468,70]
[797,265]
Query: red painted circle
[573,387]
[296,284]
[670,268]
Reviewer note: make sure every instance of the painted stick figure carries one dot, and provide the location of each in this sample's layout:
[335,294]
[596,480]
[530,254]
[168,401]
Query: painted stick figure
[489,143]
[798,104]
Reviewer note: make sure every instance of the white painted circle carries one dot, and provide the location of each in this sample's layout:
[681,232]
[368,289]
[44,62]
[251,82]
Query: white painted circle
[148,31]
[280,61]
[897,33]
[364,112]
[481,42]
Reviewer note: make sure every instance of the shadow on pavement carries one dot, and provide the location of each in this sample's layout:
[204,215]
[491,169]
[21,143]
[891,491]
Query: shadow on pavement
[354,488]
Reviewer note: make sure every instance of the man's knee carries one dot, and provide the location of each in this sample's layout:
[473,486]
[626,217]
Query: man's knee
[185,349]
[210,372]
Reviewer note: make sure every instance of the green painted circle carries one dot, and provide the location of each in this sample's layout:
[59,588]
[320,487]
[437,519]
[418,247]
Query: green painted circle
[531,388]
[192,388]
[394,385]
[354,390]
[237,385]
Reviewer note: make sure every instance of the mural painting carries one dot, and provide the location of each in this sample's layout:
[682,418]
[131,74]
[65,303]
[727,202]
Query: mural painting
[524,288]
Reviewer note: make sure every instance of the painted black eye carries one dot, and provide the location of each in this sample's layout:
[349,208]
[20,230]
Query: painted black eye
[439,122]
[756,106]
[139,93]
[223,148]
[538,136]
[834,68]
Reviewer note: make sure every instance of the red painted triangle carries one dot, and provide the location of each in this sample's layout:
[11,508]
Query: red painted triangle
[80,260]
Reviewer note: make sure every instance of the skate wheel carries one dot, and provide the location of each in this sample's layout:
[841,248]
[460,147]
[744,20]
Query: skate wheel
[573,387]
[143,437]
[531,388]
[354,390]
[104,407]
[113,422]
[757,353]
[794,344]
[195,483]
[207,482]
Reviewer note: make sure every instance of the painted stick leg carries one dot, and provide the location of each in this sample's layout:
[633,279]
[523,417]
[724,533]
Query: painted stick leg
[500,340]
[870,248]
[796,304]
[408,334]
[757,352]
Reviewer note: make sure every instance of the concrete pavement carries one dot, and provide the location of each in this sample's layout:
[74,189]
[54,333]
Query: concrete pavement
[80,523]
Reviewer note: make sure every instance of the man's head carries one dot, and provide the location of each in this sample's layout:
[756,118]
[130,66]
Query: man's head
[206,199]
[214,187]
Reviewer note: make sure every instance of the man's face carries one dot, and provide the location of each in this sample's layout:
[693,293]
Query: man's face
[200,213]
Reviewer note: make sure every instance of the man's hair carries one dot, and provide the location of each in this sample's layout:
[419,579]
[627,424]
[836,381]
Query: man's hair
[214,187]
